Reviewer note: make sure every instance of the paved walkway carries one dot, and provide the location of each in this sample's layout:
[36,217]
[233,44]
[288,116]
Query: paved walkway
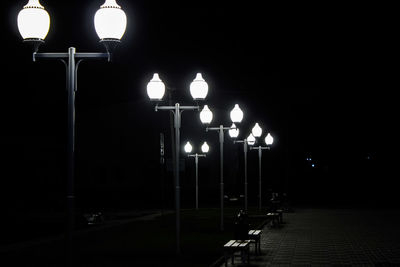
[329,237]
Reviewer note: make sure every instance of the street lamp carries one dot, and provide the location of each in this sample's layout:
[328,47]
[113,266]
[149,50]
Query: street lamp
[256,131]
[236,114]
[198,90]
[33,24]
[204,148]
[206,117]
[251,140]
[268,141]
[233,131]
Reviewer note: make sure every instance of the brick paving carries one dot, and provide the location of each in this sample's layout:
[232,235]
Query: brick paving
[332,237]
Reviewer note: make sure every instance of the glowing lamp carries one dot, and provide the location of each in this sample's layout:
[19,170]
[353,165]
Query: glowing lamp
[205,148]
[199,88]
[233,131]
[206,115]
[236,114]
[269,139]
[155,88]
[251,140]
[188,147]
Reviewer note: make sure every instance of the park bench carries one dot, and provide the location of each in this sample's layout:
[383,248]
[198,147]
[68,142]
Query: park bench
[233,246]
[255,237]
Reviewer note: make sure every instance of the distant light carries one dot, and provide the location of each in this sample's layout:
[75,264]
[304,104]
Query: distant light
[206,115]
[199,88]
[233,131]
[313,165]
[110,21]
[188,147]
[155,88]
[236,114]
[251,140]
[205,148]
[256,131]
[269,139]
[33,21]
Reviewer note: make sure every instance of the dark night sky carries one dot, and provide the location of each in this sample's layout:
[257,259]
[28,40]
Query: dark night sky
[316,76]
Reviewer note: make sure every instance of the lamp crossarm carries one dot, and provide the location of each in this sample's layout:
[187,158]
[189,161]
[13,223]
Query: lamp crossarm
[66,55]
[260,147]
[174,108]
[197,155]
[218,128]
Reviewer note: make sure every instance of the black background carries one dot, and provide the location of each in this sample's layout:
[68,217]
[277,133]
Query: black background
[317,76]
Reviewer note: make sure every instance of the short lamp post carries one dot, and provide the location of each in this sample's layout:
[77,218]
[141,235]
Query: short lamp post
[257,132]
[188,149]
[155,91]
[33,24]
[206,118]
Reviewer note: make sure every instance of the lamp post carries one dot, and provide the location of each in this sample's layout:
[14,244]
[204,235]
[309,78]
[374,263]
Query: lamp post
[250,140]
[155,91]
[204,148]
[206,118]
[33,24]
[257,132]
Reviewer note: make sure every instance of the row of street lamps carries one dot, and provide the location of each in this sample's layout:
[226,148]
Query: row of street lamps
[199,90]
[110,23]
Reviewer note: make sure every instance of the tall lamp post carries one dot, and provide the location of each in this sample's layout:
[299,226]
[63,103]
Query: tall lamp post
[188,149]
[257,131]
[206,118]
[155,91]
[33,24]
[250,140]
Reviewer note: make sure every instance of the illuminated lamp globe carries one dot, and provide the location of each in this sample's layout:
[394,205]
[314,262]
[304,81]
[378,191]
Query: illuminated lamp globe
[199,88]
[206,115]
[188,147]
[205,148]
[233,131]
[236,114]
[269,139]
[155,88]
[256,131]
[110,24]
[251,140]
[33,23]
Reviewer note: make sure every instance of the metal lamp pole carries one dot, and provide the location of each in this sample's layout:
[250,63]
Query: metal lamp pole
[244,141]
[177,110]
[260,149]
[221,130]
[71,61]
[33,24]
[196,160]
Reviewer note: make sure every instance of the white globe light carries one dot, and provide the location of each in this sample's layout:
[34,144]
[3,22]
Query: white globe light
[233,131]
[188,147]
[205,148]
[199,88]
[251,140]
[155,88]
[256,131]
[33,21]
[236,114]
[269,139]
[206,115]
[110,21]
